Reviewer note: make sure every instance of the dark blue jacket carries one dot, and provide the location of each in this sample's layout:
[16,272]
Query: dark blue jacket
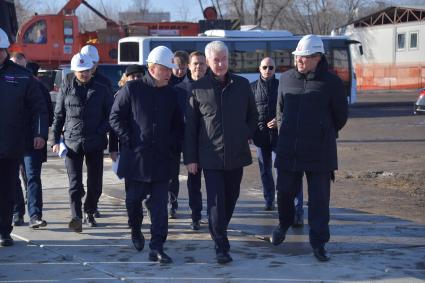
[311,109]
[265,93]
[83,112]
[21,104]
[149,124]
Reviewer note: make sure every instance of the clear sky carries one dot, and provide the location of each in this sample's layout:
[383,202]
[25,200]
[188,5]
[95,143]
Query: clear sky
[189,10]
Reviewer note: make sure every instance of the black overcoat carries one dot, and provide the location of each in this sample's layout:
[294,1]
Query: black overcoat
[149,125]
[311,109]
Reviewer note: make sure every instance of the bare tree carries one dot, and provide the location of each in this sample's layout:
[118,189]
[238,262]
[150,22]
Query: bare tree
[141,5]
[258,12]
[273,11]
[25,9]
[236,8]
[183,11]
[298,16]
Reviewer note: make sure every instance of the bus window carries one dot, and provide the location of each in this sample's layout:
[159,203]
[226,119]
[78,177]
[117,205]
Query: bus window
[340,65]
[200,46]
[36,33]
[129,52]
[154,44]
[245,57]
[282,55]
[175,45]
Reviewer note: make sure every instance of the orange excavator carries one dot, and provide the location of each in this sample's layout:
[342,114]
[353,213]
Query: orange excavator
[51,40]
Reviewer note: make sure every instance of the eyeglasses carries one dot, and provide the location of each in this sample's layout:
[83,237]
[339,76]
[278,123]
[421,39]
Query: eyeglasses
[267,67]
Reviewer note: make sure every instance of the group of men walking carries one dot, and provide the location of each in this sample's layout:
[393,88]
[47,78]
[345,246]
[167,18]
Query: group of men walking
[210,117]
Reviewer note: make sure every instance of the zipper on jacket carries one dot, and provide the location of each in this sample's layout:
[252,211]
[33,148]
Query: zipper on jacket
[298,124]
[39,125]
[222,121]
[222,127]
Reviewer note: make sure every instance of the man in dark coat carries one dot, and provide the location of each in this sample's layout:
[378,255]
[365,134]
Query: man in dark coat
[179,76]
[19,95]
[220,119]
[32,161]
[265,137]
[148,122]
[311,109]
[82,111]
[198,68]
[92,52]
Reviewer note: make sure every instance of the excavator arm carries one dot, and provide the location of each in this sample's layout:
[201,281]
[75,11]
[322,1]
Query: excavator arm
[72,5]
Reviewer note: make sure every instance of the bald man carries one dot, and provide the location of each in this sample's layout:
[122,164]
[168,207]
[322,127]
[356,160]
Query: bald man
[265,138]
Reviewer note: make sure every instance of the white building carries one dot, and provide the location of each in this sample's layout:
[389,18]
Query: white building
[393,43]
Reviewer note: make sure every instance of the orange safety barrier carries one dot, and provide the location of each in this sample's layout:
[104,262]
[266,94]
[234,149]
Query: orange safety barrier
[389,76]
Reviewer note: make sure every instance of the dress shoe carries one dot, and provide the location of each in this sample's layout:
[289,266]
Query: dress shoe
[96,214]
[76,225]
[37,222]
[6,241]
[173,213]
[298,220]
[18,220]
[269,207]
[155,255]
[321,254]
[89,220]
[278,236]
[196,225]
[138,239]
[223,258]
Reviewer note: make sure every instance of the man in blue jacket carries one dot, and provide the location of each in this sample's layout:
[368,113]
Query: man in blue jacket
[197,67]
[20,95]
[149,124]
[265,137]
[311,109]
[32,161]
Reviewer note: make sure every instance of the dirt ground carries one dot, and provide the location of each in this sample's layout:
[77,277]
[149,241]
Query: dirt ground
[381,154]
[382,162]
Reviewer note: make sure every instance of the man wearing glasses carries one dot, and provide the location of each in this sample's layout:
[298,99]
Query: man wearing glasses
[311,109]
[265,138]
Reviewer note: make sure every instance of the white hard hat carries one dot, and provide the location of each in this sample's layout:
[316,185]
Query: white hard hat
[4,39]
[309,45]
[163,56]
[91,51]
[81,62]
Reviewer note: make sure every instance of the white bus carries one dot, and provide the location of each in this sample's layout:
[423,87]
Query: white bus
[247,48]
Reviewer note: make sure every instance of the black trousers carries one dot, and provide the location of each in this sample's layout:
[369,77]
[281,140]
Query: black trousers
[8,177]
[174,184]
[195,194]
[74,167]
[318,183]
[223,187]
[135,194]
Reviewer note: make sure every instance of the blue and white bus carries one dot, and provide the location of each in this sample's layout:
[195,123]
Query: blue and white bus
[247,49]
